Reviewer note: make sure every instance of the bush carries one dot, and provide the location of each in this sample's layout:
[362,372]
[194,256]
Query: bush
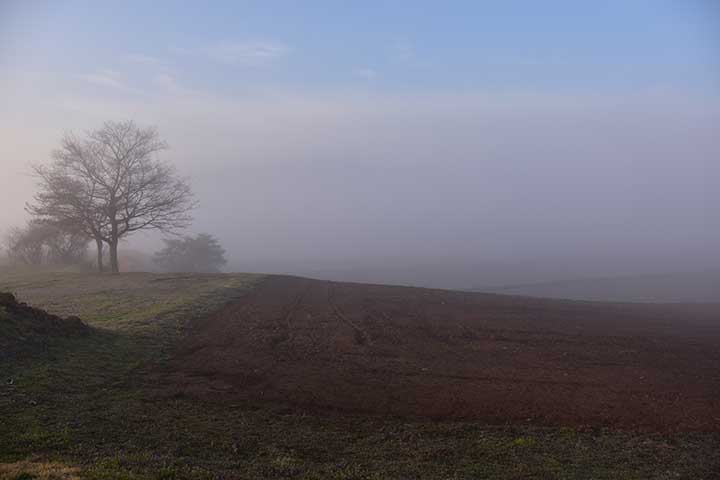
[200,254]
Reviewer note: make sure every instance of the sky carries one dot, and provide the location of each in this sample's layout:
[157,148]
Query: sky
[438,143]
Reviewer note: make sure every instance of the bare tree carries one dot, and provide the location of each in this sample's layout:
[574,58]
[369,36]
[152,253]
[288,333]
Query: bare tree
[38,243]
[110,184]
[25,246]
[66,248]
[70,196]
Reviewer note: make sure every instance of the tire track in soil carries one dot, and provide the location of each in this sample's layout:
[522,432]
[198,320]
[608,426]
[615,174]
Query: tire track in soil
[361,336]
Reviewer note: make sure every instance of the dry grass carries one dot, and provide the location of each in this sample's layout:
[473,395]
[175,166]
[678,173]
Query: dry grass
[38,470]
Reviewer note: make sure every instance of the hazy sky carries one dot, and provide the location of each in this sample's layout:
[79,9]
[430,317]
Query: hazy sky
[334,136]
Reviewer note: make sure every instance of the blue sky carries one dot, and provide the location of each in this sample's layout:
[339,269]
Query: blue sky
[391,46]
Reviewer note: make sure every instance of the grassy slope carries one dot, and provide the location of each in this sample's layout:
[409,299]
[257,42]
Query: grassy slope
[87,405]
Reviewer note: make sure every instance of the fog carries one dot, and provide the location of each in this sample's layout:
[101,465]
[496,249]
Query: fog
[448,190]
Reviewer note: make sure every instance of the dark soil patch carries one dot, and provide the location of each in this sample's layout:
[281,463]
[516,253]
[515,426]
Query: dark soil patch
[444,354]
[26,331]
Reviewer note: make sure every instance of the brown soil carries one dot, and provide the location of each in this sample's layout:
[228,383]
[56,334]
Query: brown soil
[25,330]
[445,354]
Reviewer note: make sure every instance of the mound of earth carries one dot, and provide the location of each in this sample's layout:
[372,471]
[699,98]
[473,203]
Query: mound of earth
[446,354]
[26,330]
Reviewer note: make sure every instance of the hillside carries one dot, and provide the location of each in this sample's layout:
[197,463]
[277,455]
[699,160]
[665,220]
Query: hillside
[252,376]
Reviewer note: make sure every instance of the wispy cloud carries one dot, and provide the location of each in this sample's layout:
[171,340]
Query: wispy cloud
[366,73]
[106,78]
[402,49]
[145,84]
[169,83]
[247,53]
[142,59]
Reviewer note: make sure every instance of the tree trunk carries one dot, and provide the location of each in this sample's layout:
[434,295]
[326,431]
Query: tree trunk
[114,267]
[99,255]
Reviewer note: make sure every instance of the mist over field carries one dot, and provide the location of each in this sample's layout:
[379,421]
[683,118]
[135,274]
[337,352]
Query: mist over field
[370,186]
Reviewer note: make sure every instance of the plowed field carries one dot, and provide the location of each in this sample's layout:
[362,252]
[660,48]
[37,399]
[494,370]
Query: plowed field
[444,354]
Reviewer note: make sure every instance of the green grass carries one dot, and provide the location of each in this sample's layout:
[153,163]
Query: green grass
[92,404]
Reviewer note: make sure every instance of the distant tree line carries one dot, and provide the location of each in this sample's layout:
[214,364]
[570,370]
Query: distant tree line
[41,244]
